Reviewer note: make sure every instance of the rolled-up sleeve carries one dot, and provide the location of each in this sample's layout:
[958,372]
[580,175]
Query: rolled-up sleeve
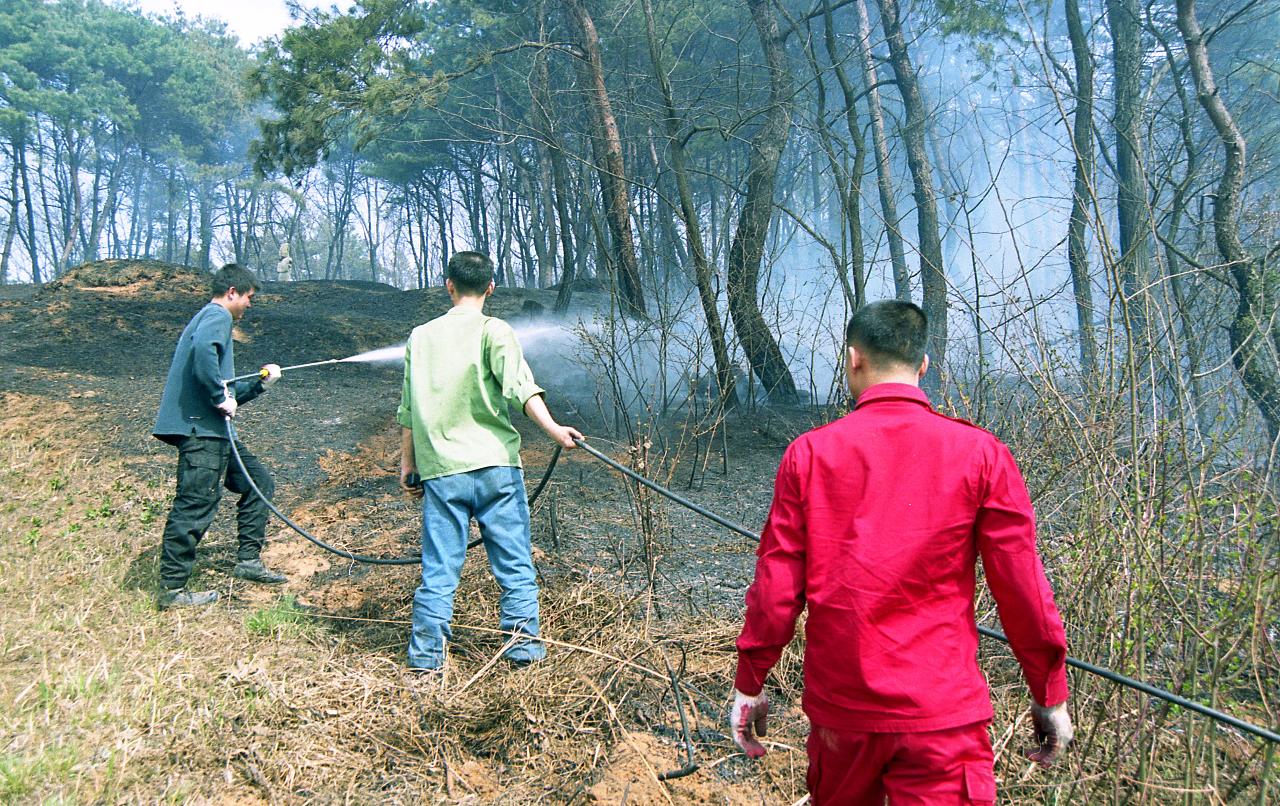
[404,412]
[777,596]
[506,362]
[1006,534]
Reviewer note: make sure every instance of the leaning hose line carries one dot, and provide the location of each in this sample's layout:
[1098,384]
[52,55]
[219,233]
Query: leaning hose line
[1107,674]
[1104,673]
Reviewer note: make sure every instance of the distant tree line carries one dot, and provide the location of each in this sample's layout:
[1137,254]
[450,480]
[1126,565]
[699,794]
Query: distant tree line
[1102,171]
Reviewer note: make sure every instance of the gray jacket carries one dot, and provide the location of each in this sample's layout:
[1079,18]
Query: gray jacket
[203,360]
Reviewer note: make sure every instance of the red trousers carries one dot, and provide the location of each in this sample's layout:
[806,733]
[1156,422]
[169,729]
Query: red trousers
[952,767]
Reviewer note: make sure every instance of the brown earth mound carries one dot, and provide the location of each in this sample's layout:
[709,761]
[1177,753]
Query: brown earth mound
[132,277]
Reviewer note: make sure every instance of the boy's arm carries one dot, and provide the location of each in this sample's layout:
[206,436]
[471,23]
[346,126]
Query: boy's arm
[408,464]
[536,409]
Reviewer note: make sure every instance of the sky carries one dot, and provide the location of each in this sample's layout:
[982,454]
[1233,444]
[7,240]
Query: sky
[250,20]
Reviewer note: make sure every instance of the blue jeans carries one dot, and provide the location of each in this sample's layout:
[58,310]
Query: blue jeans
[495,497]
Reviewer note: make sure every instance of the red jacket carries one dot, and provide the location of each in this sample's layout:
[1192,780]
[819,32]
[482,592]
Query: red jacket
[876,524]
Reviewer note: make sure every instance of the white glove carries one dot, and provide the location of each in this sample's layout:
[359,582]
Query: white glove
[1053,732]
[747,713]
[228,406]
[270,374]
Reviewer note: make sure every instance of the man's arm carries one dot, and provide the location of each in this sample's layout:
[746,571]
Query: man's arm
[777,596]
[536,409]
[1006,532]
[208,342]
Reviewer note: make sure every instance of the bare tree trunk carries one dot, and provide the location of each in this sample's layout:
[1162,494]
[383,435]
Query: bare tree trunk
[607,145]
[747,250]
[852,193]
[1255,331]
[1082,192]
[884,168]
[1131,180]
[932,271]
[692,227]
[11,228]
[545,116]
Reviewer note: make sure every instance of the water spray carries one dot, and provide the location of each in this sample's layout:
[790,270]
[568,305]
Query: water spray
[380,356]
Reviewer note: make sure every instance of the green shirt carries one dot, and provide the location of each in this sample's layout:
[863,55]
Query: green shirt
[461,373]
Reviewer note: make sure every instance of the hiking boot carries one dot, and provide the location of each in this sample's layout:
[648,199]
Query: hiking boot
[255,571]
[181,597]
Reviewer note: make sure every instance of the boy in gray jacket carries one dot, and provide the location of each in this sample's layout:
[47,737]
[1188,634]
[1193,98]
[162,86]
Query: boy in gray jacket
[198,397]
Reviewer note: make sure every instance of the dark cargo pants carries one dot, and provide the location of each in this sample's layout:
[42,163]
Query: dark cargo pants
[205,466]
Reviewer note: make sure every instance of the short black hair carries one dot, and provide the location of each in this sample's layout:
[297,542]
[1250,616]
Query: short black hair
[889,331]
[471,272]
[233,275]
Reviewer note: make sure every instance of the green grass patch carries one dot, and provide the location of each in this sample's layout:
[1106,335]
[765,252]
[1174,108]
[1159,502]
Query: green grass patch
[282,619]
[21,775]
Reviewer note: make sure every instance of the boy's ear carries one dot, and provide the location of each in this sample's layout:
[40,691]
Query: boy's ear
[489,290]
[924,367]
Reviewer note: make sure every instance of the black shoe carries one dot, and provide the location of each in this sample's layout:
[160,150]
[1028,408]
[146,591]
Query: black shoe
[255,571]
[181,597]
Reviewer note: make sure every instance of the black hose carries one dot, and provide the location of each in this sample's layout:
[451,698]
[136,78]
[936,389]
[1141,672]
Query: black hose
[653,485]
[361,558]
[1107,674]
[1104,673]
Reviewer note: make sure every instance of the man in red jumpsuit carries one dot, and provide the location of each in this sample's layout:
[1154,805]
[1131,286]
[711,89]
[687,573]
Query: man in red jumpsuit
[876,525]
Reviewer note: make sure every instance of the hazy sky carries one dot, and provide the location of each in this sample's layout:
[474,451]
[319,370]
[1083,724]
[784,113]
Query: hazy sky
[250,20]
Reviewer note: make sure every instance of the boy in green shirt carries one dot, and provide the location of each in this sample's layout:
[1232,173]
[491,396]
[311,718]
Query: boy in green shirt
[461,373]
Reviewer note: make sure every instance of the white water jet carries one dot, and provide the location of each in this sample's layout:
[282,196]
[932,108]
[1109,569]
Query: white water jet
[383,355]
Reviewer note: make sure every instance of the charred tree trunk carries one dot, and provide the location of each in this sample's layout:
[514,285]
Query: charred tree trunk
[545,115]
[607,146]
[851,197]
[692,227]
[747,248]
[1082,192]
[884,168]
[932,271]
[11,228]
[1255,331]
[1131,181]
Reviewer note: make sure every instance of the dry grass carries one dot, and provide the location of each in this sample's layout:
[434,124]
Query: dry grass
[106,700]
[300,695]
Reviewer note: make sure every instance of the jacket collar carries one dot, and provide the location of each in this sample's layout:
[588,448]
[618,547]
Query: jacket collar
[893,391]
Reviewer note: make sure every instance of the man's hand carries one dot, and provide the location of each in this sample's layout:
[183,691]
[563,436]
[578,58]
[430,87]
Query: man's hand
[1053,732]
[747,714]
[228,406]
[565,435]
[270,374]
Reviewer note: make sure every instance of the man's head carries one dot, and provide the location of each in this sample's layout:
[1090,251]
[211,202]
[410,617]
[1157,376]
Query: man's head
[469,274]
[885,342]
[233,288]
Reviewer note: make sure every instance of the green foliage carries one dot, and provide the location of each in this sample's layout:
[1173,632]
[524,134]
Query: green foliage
[283,618]
[342,72]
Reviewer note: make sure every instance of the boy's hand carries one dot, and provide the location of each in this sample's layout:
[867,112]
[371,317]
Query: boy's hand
[410,483]
[565,435]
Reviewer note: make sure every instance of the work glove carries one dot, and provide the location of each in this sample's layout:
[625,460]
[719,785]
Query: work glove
[747,714]
[228,405]
[1053,732]
[270,374]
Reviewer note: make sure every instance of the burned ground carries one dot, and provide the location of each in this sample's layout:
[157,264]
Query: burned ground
[300,694]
